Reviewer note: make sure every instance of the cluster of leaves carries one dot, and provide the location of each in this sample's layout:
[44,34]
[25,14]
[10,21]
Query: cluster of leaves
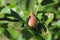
[14,15]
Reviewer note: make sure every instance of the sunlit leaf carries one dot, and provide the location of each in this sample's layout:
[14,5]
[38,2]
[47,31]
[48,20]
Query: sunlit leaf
[3,21]
[5,10]
[49,37]
[50,18]
[58,23]
[56,1]
[39,1]
[12,6]
[39,16]
[2,2]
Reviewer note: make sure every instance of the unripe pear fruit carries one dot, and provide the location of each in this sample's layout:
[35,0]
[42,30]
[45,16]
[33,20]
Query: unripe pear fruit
[32,20]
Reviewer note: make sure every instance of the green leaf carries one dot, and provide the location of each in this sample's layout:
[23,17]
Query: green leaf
[49,37]
[58,23]
[12,1]
[12,6]
[22,4]
[48,8]
[50,18]
[16,15]
[56,1]
[58,8]
[1,21]
[2,2]
[14,33]
[17,24]
[39,16]
[5,10]
[39,1]
[1,15]
[1,30]
[33,5]
[35,34]
[21,37]
[24,15]
[11,24]
[1,7]
[10,17]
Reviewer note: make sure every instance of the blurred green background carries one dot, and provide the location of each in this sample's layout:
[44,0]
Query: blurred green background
[14,16]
